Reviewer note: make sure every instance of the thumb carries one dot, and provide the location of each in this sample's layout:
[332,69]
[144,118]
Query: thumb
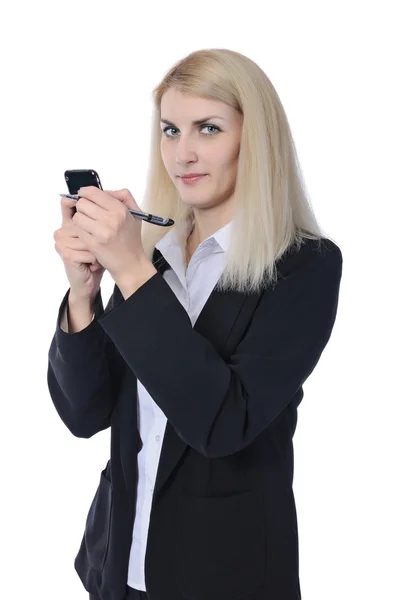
[124,196]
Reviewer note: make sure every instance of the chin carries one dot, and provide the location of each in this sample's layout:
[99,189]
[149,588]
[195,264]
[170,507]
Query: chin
[199,203]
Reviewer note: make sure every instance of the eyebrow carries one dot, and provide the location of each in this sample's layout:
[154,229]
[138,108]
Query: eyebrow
[197,122]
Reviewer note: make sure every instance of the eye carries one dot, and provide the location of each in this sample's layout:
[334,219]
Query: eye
[166,129]
[214,127]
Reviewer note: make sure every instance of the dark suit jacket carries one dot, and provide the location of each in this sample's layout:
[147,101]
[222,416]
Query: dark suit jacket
[223,519]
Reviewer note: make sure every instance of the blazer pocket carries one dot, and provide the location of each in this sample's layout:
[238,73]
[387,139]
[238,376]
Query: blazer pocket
[98,523]
[221,546]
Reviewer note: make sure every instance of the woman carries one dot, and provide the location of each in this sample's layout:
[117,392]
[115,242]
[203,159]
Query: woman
[198,361]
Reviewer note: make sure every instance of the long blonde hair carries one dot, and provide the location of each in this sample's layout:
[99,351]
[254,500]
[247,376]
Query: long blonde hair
[272,207]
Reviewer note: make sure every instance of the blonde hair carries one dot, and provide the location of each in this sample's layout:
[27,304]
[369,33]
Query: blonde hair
[272,207]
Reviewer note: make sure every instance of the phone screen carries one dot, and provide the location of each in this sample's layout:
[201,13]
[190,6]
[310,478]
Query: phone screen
[77,178]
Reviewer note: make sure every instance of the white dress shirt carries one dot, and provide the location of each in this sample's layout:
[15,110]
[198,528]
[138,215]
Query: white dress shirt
[192,288]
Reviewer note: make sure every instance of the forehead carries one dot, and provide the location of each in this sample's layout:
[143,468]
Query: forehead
[182,105]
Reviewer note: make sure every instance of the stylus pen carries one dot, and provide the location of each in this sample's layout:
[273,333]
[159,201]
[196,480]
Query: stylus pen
[136,213]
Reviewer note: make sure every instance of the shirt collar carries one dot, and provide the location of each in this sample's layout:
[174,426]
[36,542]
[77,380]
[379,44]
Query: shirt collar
[171,254]
[221,236]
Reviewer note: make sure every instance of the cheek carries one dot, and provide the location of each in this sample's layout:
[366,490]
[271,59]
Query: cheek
[226,167]
[223,159]
[166,158]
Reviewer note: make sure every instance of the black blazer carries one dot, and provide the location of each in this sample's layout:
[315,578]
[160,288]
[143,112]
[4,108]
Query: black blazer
[223,519]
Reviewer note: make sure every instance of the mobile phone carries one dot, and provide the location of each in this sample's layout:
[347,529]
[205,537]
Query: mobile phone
[77,178]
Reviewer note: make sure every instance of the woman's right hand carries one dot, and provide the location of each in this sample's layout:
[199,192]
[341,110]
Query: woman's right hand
[83,270]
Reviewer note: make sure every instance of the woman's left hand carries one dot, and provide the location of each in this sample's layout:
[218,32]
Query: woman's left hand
[111,233]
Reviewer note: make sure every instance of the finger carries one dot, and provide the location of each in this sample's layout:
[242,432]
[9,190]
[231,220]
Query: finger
[122,195]
[89,208]
[126,197]
[67,235]
[99,197]
[85,224]
[112,193]
[70,230]
[68,209]
[95,267]
[78,256]
[75,244]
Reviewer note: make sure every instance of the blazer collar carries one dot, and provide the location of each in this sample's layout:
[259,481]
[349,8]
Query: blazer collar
[216,321]
[223,321]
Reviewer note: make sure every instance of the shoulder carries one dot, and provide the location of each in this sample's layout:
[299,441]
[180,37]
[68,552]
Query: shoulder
[320,253]
[310,251]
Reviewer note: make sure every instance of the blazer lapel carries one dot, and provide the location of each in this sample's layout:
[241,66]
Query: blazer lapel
[215,322]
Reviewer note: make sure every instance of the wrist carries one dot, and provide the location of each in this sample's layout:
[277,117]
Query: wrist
[79,312]
[128,283]
[81,302]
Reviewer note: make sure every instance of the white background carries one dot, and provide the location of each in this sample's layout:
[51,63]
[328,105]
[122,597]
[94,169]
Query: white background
[76,81]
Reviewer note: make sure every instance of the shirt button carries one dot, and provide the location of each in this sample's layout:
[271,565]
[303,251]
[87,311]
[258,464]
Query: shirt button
[157,438]
[151,490]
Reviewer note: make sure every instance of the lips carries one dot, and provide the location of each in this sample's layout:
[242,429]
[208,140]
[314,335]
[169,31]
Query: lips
[191,175]
[192,178]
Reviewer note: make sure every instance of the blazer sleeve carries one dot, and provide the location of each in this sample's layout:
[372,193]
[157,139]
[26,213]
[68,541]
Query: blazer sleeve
[220,407]
[79,373]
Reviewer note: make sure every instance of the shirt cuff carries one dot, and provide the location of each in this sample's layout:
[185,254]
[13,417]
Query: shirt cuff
[64,324]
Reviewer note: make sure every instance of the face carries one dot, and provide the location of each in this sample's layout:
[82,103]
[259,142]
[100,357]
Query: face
[210,148]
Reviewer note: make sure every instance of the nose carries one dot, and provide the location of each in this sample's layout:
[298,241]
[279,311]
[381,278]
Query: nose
[185,151]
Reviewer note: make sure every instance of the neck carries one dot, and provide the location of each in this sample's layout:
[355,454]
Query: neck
[197,236]
[208,221]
